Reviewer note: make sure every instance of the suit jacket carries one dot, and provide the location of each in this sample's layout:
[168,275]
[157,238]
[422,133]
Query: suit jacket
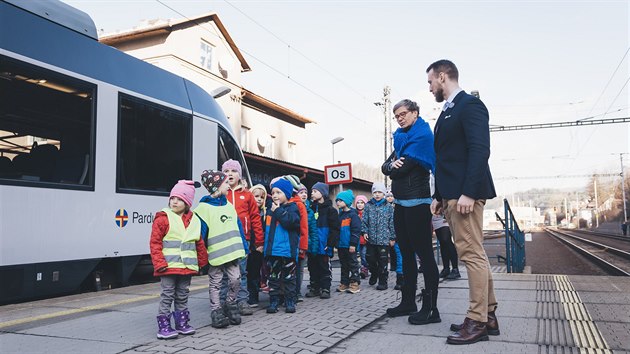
[462,149]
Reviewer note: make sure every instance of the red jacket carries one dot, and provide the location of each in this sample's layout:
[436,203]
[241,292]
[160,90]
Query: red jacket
[248,213]
[158,231]
[361,238]
[303,224]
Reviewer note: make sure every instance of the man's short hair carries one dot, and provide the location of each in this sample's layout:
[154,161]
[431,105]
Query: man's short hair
[445,66]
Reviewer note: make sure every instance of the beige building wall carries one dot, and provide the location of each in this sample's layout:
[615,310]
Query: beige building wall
[181,50]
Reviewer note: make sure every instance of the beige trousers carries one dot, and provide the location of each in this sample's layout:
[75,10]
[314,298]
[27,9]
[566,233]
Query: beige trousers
[467,232]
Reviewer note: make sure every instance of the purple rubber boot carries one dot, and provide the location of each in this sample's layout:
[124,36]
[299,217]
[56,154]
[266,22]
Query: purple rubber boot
[181,322]
[164,327]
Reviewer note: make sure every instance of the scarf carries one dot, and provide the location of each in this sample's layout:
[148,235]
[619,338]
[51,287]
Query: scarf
[416,143]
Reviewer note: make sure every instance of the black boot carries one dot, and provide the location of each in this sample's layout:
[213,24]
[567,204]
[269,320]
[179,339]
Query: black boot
[428,312]
[399,282]
[407,304]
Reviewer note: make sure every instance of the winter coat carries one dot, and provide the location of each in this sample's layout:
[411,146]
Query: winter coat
[327,226]
[361,238]
[248,213]
[282,234]
[220,201]
[313,233]
[159,229]
[411,181]
[303,223]
[350,228]
[378,222]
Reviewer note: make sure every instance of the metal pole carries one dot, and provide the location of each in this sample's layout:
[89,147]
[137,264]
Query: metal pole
[623,189]
[577,209]
[333,148]
[596,203]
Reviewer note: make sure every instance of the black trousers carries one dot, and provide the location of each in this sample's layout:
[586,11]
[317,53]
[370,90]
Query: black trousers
[447,248]
[349,266]
[254,263]
[414,236]
[319,271]
[376,257]
[281,271]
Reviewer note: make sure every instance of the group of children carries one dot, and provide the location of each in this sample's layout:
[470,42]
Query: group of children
[248,242]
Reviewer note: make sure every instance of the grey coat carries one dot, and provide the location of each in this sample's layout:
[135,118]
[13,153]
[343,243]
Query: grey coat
[378,222]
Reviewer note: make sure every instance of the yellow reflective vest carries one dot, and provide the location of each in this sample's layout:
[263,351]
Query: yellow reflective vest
[224,238]
[179,244]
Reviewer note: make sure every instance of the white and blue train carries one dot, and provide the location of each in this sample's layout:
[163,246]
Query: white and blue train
[91,142]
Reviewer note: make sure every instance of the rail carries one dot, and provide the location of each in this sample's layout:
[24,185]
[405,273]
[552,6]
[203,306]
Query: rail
[514,241]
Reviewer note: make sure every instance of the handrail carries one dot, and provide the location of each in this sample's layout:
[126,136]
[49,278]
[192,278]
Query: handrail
[514,241]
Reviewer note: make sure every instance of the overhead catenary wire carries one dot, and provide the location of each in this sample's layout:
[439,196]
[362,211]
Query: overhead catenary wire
[608,83]
[269,66]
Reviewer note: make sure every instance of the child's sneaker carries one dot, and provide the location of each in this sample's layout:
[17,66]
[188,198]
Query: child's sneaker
[290,306]
[325,294]
[353,288]
[264,288]
[342,288]
[273,305]
[314,292]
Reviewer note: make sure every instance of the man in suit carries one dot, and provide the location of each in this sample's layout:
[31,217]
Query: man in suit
[462,185]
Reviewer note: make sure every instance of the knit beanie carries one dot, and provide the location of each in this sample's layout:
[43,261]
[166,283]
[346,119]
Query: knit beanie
[184,190]
[284,186]
[295,182]
[274,180]
[212,180]
[389,194]
[346,196]
[361,197]
[261,188]
[379,187]
[232,165]
[321,188]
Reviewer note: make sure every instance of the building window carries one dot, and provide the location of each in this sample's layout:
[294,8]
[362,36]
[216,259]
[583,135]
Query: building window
[245,138]
[47,128]
[292,151]
[205,57]
[154,147]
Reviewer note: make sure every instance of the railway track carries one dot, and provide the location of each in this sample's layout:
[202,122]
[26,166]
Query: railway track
[600,250]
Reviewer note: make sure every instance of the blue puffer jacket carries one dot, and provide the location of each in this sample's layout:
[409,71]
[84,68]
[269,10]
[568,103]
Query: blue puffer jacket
[378,222]
[282,231]
[350,228]
[313,234]
[327,228]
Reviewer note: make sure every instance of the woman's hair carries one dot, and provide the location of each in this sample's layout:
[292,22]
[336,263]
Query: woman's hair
[409,104]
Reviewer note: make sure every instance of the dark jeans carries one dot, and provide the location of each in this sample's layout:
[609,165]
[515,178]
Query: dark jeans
[447,248]
[414,236]
[349,266]
[281,271]
[377,261]
[319,271]
[254,263]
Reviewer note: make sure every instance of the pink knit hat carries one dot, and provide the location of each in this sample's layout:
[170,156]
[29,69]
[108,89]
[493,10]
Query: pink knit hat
[184,190]
[361,197]
[232,165]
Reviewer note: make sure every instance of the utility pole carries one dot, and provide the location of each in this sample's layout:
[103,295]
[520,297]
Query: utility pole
[387,125]
[596,203]
[623,188]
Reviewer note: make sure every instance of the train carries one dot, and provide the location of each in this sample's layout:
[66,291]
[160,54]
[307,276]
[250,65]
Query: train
[91,142]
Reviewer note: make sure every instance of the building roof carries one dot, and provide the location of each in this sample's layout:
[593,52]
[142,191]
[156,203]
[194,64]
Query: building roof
[156,27]
[273,109]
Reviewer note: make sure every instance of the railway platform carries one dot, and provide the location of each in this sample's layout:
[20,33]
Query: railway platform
[537,314]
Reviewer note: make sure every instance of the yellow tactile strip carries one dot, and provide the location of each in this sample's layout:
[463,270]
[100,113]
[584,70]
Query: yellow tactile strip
[563,320]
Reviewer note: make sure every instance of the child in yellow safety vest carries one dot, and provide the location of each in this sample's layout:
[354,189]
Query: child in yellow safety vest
[223,235]
[177,252]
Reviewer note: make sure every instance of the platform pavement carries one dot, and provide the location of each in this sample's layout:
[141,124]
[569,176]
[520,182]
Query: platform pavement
[533,314]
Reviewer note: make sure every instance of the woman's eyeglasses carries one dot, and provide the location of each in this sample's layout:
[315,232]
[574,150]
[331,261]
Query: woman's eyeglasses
[401,114]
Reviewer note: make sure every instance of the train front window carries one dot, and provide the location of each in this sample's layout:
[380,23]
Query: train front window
[154,147]
[47,124]
[229,149]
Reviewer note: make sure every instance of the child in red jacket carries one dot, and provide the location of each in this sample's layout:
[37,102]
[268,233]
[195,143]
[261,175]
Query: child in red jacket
[174,232]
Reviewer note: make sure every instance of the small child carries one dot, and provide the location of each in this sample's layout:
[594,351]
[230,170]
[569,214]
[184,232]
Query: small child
[225,247]
[377,226]
[177,253]
[359,205]
[348,243]
[322,242]
[303,243]
[260,276]
[281,245]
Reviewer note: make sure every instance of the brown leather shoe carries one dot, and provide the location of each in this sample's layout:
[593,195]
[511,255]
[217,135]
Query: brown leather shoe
[471,332]
[492,325]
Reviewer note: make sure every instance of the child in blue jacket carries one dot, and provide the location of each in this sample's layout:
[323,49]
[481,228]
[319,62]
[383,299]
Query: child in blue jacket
[281,245]
[348,243]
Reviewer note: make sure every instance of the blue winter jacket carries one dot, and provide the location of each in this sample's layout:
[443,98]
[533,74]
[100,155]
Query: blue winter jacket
[378,222]
[327,228]
[313,234]
[282,231]
[350,228]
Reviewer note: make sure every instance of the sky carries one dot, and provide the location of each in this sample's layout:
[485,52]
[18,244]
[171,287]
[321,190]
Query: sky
[531,61]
